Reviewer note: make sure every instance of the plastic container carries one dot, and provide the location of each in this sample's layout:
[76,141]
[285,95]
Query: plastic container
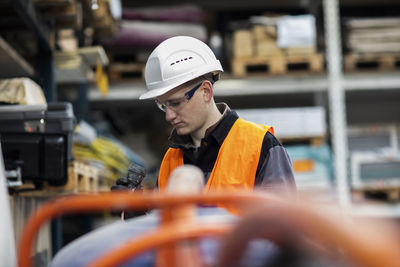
[38,139]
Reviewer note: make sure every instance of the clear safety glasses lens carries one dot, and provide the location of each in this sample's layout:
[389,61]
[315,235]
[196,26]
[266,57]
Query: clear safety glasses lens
[176,104]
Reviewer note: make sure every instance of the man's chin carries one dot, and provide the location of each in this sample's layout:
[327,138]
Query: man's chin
[182,131]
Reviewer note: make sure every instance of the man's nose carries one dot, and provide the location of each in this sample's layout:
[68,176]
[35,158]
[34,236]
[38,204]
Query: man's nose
[169,114]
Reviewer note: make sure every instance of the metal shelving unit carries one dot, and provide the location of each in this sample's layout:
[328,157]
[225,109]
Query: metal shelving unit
[130,90]
[44,71]
[335,84]
[336,87]
[13,65]
[337,106]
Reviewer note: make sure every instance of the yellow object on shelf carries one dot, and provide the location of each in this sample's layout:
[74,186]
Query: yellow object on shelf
[105,151]
[101,79]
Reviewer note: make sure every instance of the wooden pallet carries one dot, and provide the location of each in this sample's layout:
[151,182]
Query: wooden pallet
[273,65]
[315,61]
[277,64]
[356,62]
[118,71]
[388,194]
[81,178]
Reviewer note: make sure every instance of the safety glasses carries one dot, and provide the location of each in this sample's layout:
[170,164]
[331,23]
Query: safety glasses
[178,103]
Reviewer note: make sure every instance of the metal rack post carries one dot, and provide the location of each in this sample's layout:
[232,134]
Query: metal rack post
[26,11]
[336,94]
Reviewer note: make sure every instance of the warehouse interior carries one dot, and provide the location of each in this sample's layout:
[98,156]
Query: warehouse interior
[323,73]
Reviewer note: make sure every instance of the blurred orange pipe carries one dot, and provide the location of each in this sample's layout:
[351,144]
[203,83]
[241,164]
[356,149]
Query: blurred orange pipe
[119,201]
[165,235]
[368,244]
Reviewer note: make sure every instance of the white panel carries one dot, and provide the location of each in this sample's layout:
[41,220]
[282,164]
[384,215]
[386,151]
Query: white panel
[289,122]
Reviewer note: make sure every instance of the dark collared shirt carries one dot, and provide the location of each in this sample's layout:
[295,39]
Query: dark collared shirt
[274,167]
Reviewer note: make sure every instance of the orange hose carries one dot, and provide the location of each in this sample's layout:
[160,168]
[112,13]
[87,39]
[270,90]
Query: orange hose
[165,235]
[355,239]
[366,243]
[117,201]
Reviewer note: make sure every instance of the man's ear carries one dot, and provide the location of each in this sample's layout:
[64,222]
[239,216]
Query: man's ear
[208,90]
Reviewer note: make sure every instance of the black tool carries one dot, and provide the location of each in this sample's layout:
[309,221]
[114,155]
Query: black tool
[131,182]
[134,177]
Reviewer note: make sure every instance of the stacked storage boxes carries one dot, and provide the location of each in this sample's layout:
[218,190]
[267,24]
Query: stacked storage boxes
[302,131]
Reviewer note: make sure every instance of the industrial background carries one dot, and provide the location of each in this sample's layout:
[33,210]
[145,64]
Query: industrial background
[324,73]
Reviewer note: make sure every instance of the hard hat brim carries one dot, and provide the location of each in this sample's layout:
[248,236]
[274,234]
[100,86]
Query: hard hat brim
[156,92]
[160,91]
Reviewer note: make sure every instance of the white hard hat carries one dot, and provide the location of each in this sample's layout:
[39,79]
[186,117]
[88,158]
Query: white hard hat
[175,61]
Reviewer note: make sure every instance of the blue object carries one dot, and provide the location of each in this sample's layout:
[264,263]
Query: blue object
[322,172]
[90,246]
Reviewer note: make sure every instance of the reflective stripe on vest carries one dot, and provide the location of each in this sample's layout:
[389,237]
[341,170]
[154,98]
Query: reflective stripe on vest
[236,164]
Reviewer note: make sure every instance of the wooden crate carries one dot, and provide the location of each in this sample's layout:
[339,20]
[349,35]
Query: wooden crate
[262,32]
[300,50]
[243,44]
[265,40]
[385,61]
[267,48]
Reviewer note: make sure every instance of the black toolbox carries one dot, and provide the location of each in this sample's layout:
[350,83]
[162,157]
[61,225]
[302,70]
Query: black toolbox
[37,139]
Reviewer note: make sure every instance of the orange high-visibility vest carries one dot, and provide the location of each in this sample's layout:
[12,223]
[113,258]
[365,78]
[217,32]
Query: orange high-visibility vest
[237,160]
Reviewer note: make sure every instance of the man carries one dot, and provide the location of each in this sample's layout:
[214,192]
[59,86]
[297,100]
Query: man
[232,153]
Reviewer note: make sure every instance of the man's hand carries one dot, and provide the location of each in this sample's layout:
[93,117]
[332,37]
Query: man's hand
[122,184]
[132,181]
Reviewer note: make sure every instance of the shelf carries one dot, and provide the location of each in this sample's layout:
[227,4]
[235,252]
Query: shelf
[376,210]
[333,89]
[372,81]
[12,64]
[132,89]
[272,85]
[34,22]
[252,4]
[93,54]
[76,66]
